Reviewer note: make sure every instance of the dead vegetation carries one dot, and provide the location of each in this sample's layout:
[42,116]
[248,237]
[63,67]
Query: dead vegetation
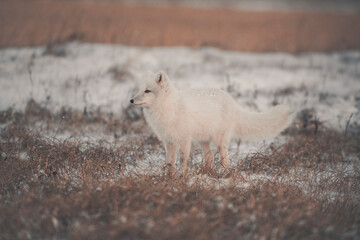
[306,188]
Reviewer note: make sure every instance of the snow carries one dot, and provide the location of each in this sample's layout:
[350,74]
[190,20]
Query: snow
[86,77]
[105,76]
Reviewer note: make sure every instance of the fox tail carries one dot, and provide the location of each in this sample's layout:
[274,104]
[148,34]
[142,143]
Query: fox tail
[263,125]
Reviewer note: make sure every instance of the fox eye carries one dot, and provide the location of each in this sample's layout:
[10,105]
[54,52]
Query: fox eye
[147,91]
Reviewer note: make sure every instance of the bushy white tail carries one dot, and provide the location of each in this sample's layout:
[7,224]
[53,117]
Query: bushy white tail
[264,125]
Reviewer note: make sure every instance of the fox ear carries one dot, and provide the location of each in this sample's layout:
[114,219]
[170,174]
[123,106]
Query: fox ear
[161,79]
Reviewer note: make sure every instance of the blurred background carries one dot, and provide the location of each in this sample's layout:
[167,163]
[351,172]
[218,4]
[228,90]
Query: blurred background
[313,5]
[293,26]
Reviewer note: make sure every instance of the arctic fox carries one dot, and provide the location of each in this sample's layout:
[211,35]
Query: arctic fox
[211,115]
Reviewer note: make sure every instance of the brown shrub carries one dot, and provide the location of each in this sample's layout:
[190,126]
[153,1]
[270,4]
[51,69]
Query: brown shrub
[68,188]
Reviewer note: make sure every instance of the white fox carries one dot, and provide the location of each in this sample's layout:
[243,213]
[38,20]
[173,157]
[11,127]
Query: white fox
[212,115]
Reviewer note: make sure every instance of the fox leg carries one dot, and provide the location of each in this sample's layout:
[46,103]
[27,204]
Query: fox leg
[185,148]
[225,161]
[170,154]
[208,154]
[223,144]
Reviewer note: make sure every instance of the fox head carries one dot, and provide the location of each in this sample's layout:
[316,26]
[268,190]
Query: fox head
[154,87]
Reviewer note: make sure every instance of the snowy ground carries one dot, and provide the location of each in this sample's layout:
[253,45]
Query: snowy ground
[93,76]
[78,75]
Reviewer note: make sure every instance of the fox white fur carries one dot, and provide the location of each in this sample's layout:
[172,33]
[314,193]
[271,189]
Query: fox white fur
[180,117]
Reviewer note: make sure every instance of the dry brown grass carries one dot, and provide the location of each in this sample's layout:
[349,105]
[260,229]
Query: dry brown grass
[42,22]
[68,189]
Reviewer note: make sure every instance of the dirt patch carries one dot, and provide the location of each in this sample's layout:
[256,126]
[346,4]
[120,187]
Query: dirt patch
[25,23]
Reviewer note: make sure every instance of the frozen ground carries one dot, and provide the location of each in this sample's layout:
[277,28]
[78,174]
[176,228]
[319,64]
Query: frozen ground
[78,75]
[91,76]
[78,162]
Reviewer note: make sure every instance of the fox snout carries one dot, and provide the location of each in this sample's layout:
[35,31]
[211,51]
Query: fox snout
[143,99]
